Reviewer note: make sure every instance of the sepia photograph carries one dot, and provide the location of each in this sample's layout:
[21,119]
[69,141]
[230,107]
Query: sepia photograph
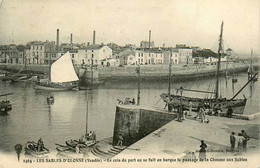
[129,83]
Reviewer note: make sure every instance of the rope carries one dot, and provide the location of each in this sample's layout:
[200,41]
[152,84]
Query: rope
[157,101]
[242,90]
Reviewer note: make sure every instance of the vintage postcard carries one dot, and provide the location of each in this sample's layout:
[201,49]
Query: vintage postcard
[133,83]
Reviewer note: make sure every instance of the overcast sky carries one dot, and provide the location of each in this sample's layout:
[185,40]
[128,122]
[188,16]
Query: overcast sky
[191,22]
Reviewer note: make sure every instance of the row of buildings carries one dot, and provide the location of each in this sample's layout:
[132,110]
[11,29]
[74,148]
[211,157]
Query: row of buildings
[38,52]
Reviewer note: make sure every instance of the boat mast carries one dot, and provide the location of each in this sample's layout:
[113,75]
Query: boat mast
[87,115]
[219,59]
[251,65]
[138,94]
[170,65]
[50,66]
[25,59]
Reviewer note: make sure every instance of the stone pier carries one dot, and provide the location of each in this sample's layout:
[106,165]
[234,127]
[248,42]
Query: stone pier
[135,122]
[89,77]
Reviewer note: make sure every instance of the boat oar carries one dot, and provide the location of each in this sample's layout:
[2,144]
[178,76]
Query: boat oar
[81,143]
[137,149]
[60,145]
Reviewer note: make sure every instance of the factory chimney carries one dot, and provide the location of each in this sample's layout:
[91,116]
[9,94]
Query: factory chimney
[149,38]
[71,44]
[94,37]
[57,40]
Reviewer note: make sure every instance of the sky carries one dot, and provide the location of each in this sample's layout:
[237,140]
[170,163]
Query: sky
[190,22]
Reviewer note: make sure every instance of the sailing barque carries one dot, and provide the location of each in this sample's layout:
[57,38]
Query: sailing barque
[62,76]
[215,103]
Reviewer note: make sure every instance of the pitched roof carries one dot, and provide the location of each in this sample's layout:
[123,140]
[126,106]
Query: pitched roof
[38,43]
[93,47]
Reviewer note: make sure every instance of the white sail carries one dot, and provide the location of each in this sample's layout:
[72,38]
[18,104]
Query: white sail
[62,70]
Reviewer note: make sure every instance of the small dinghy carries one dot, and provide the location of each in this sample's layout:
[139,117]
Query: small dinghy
[88,142]
[33,149]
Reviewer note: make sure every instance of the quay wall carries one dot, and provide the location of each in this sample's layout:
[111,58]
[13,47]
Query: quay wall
[148,72]
[134,122]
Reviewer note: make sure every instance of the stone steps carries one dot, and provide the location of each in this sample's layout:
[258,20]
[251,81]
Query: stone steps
[105,152]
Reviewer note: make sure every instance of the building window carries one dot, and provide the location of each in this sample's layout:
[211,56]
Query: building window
[37,47]
[41,47]
[72,55]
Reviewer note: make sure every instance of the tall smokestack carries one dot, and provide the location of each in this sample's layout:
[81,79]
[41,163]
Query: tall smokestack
[94,37]
[149,38]
[71,40]
[57,40]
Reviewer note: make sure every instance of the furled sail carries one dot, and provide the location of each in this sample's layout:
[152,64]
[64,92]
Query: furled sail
[62,70]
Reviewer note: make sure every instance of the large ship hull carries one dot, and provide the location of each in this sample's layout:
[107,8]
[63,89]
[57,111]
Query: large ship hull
[54,87]
[237,105]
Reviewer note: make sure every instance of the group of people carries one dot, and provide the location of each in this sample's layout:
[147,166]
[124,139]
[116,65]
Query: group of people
[241,140]
[37,147]
[127,101]
[88,137]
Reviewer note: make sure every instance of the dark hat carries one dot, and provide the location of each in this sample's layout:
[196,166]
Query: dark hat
[233,133]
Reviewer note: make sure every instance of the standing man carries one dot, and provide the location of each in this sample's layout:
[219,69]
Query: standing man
[120,139]
[40,145]
[246,138]
[232,141]
[229,112]
[179,111]
[202,151]
[190,108]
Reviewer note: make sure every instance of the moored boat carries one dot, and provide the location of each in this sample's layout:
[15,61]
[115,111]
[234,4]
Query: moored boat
[87,141]
[62,76]
[18,78]
[217,103]
[31,148]
[5,105]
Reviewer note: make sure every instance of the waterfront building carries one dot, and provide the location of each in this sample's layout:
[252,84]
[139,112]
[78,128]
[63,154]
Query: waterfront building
[28,58]
[185,54]
[75,57]
[52,56]
[123,57]
[171,54]
[149,57]
[38,49]
[93,54]
[13,54]
[157,57]
[142,57]
[4,55]
[109,62]
[131,60]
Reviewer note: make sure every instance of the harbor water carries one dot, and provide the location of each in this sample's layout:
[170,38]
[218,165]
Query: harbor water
[32,117]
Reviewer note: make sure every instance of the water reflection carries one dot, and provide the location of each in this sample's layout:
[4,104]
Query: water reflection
[32,117]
